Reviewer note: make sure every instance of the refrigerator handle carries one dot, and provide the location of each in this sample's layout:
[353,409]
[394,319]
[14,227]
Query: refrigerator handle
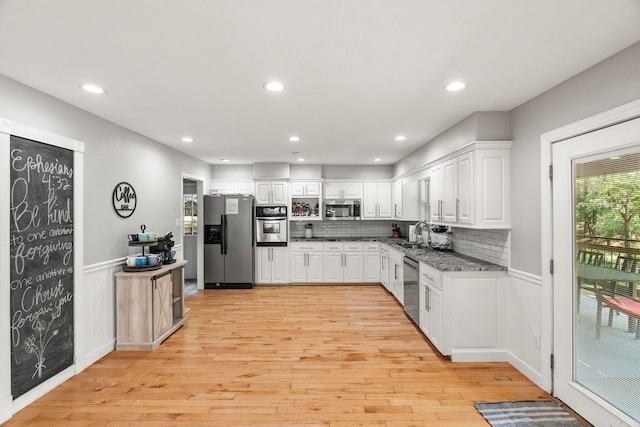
[223,247]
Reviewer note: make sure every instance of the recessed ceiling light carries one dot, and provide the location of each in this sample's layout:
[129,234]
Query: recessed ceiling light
[294,138]
[225,160]
[273,86]
[187,139]
[455,86]
[400,138]
[377,159]
[300,159]
[91,88]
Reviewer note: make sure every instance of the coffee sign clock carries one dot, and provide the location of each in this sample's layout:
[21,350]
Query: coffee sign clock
[124,199]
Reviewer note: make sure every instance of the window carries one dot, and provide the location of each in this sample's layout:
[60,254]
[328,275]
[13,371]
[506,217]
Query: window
[190,214]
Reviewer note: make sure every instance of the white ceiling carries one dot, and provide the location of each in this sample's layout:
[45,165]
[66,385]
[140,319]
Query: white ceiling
[356,72]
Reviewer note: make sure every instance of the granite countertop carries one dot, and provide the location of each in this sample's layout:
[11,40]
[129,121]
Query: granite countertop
[336,239]
[440,260]
[443,260]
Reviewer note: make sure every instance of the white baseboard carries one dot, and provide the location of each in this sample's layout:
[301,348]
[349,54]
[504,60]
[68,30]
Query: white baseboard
[6,408]
[526,370]
[96,355]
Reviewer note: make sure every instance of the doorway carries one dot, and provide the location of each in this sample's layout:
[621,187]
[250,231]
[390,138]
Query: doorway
[595,195]
[192,233]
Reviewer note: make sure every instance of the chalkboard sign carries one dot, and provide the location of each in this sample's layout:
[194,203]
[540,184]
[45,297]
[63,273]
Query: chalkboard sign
[41,242]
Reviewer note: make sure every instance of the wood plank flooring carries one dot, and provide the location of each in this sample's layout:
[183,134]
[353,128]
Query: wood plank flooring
[283,356]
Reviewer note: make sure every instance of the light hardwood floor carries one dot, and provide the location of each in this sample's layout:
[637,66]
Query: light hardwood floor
[284,356]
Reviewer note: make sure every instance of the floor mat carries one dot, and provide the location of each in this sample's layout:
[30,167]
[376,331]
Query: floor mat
[532,413]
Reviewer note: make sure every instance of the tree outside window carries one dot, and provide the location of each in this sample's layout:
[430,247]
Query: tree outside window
[190,214]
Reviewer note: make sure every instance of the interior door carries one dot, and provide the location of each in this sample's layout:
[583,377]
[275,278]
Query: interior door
[599,377]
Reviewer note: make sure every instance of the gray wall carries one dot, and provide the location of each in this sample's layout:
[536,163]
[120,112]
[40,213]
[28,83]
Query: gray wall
[609,84]
[479,126]
[112,154]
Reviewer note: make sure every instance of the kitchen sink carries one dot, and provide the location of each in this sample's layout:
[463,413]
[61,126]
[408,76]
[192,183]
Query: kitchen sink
[409,245]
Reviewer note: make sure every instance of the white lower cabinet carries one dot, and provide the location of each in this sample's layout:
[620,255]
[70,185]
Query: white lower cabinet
[396,274]
[459,313]
[306,262]
[384,265]
[343,262]
[371,262]
[272,265]
[430,303]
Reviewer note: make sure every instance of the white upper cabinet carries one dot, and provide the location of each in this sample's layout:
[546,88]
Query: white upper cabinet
[396,199]
[271,192]
[471,189]
[377,200]
[405,199]
[342,190]
[305,188]
[233,187]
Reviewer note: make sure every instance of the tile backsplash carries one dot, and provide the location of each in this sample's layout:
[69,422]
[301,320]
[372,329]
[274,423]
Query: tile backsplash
[487,245]
[363,228]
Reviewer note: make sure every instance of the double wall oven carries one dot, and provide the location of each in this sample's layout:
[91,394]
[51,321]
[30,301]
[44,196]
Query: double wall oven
[271,226]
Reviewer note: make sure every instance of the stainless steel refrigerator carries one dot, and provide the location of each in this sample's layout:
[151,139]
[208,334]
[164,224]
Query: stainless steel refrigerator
[229,241]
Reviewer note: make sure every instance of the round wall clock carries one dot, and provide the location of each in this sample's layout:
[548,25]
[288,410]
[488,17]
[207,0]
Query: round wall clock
[124,199]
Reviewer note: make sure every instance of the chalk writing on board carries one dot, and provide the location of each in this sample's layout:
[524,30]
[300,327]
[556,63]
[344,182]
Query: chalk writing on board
[41,242]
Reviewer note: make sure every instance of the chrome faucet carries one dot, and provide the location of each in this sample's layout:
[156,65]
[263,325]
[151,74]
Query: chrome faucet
[418,230]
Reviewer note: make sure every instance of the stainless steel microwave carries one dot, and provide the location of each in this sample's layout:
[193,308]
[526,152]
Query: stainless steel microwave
[342,209]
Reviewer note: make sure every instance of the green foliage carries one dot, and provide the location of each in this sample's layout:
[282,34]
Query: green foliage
[609,205]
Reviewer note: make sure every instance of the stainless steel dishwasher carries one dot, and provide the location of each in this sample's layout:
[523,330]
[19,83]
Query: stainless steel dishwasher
[411,291]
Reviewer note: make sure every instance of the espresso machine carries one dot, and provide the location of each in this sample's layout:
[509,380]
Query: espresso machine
[163,248]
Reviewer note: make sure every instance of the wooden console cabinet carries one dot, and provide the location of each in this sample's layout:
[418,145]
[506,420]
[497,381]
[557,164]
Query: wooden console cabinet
[149,306]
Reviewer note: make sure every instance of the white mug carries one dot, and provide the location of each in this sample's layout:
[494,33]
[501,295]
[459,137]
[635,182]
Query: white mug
[130,261]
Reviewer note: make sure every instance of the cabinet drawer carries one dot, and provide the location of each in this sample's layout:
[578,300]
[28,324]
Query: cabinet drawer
[306,246]
[384,249]
[333,247]
[430,276]
[371,246]
[354,247]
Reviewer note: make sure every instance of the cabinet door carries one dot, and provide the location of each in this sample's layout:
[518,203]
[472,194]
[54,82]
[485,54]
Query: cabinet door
[465,188]
[370,200]
[279,265]
[244,188]
[431,314]
[314,267]
[297,189]
[223,187]
[411,201]
[396,198]
[435,318]
[333,190]
[353,266]
[371,267]
[263,193]
[352,190]
[435,192]
[384,200]
[333,267]
[450,190]
[492,203]
[263,265]
[298,268]
[384,271]
[312,189]
[279,193]
[162,305]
